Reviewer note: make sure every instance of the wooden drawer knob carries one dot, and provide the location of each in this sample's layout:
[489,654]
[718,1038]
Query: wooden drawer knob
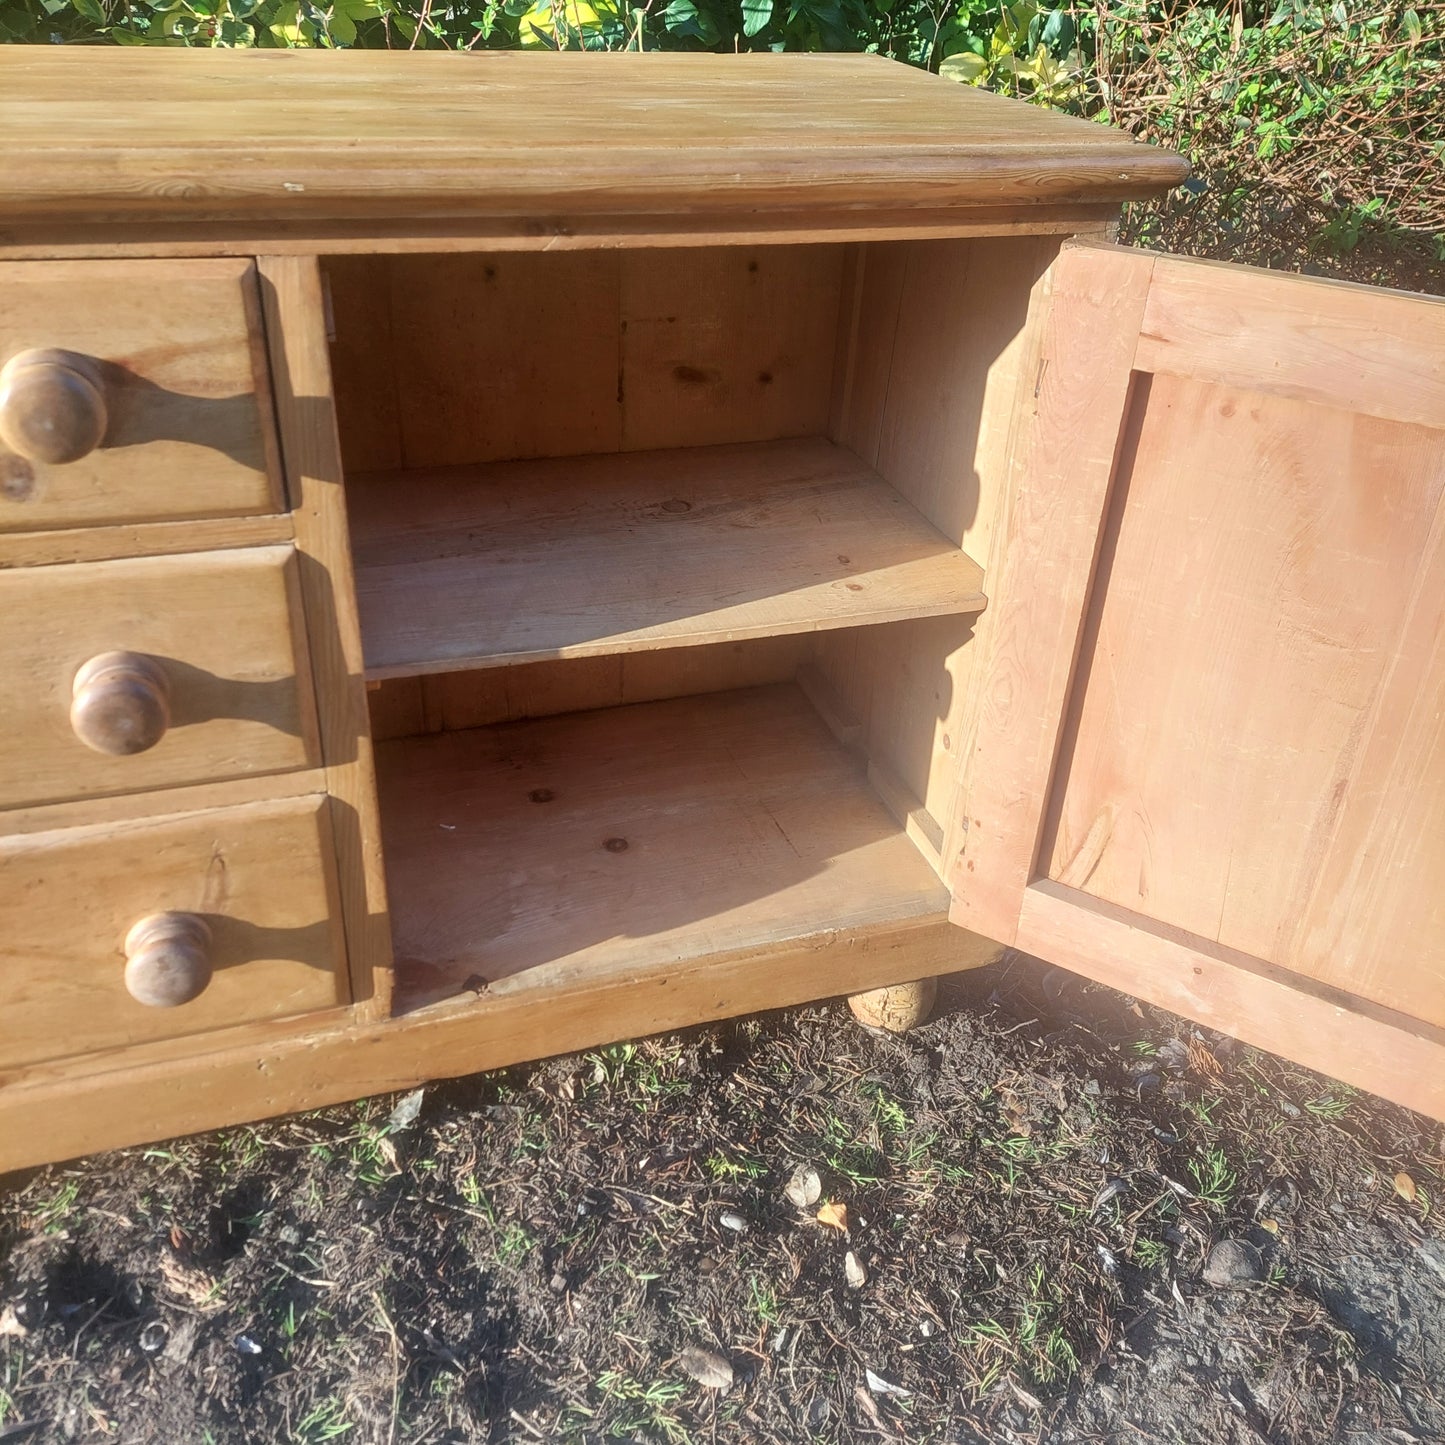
[52,406]
[121,703]
[168,960]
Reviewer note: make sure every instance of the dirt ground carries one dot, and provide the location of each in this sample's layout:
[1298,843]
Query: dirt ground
[603,1248]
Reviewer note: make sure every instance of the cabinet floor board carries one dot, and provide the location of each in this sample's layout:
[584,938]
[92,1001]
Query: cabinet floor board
[625,552]
[633,839]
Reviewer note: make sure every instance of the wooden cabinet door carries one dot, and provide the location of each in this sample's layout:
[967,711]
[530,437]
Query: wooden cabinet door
[1210,761]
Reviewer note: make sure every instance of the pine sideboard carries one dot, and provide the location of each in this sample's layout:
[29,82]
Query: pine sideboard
[505,553]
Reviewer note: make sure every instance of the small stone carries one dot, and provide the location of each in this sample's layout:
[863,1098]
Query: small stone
[1279,1196]
[407,1111]
[1433,1253]
[558,1283]
[805,1188]
[877,1385]
[1232,1263]
[1174,1055]
[181,1344]
[1111,1190]
[731,1219]
[708,1368]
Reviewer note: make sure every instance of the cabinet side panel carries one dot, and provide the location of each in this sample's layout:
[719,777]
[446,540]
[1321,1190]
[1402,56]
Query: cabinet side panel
[945,344]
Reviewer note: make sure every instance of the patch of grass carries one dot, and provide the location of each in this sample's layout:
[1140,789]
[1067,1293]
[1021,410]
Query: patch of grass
[1334,1103]
[534,1138]
[240,1149]
[1214,1181]
[639,1407]
[643,1072]
[721,1167]
[764,1300]
[1032,1341]
[846,1155]
[1149,1253]
[514,1244]
[53,1214]
[889,1116]
[12,1371]
[366,1148]
[324,1421]
[1203,1109]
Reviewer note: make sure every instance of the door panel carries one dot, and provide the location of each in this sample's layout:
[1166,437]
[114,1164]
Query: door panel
[1244,620]
[1217,718]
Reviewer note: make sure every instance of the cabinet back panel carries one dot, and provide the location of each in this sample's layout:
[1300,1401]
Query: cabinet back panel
[1255,752]
[445,360]
[403,707]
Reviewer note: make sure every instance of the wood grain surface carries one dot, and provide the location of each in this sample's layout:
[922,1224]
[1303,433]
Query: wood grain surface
[207,135]
[260,875]
[224,626]
[577,847]
[586,556]
[177,349]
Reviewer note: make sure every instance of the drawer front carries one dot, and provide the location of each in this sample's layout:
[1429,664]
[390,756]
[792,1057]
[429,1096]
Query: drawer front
[250,889]
[133,391]
[217,684]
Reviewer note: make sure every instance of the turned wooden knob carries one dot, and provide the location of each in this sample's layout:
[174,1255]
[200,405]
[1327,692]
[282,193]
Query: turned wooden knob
[121,703]
[168,959]
[52,406]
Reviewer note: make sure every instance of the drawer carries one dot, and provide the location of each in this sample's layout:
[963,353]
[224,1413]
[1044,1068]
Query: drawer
[238,903]
[152,672]
[133,391]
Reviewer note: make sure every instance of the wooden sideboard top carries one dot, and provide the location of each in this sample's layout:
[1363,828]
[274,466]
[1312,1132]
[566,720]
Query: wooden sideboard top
[187,138]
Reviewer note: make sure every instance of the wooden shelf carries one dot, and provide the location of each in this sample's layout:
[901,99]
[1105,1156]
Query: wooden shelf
[569,851]
[625,552]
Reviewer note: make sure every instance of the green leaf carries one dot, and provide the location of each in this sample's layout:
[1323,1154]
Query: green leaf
[756,15]
[1059,32]
[682,17]
[966,67]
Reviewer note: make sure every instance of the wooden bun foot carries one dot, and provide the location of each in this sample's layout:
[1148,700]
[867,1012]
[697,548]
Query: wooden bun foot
[897,1008]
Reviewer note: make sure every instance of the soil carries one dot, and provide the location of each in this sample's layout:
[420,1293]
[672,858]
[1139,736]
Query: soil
[1033,1184]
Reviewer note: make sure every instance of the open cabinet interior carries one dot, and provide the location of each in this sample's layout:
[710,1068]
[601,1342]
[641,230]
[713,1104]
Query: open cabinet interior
[667,564]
